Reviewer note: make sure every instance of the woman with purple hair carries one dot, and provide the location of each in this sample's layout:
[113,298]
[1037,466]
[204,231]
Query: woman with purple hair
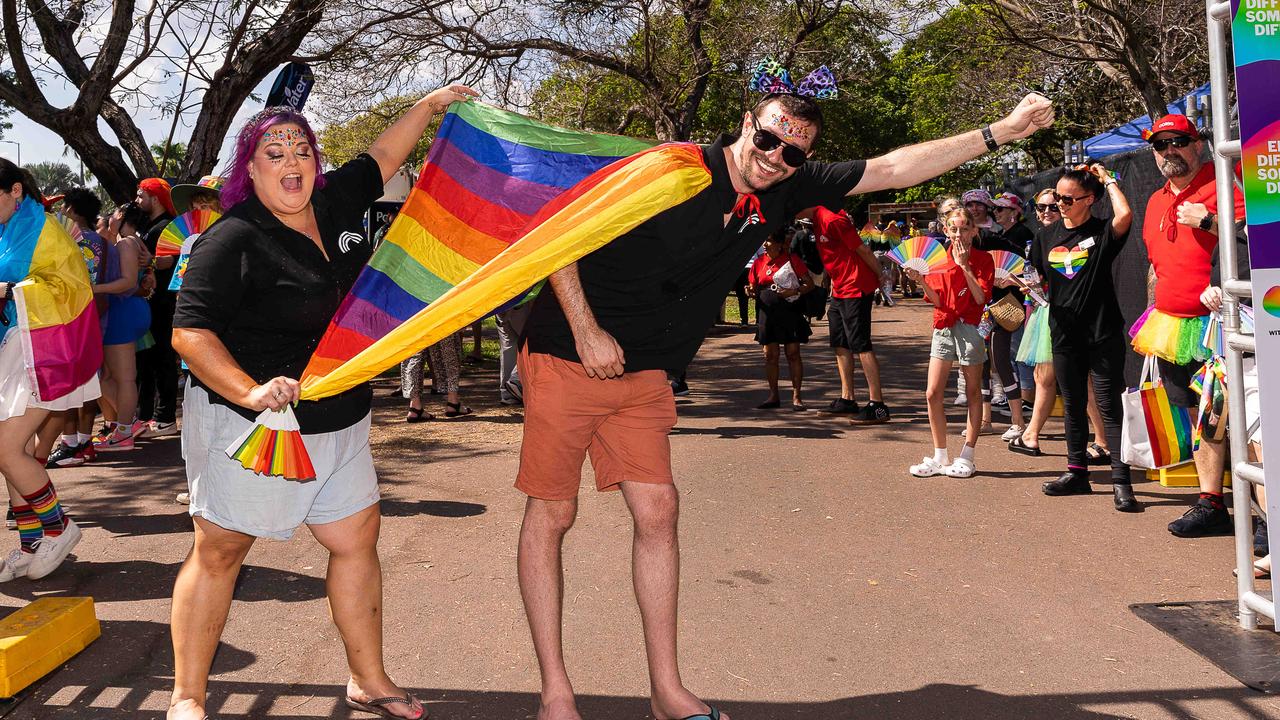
[261,285]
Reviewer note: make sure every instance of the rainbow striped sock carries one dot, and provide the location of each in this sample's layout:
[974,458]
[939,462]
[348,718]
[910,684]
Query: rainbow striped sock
[45,504]
[29,528]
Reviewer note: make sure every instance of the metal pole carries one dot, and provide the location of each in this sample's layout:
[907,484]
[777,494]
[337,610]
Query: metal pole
[1224,152]
[18,145]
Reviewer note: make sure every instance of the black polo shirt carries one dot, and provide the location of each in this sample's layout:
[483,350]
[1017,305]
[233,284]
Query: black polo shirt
[269,294]
[658,289]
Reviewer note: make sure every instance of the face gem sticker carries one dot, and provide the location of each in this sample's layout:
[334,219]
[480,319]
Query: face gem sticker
[791,130]
[287,136]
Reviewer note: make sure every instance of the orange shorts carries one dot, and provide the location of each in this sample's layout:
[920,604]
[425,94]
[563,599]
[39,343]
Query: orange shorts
[622,423]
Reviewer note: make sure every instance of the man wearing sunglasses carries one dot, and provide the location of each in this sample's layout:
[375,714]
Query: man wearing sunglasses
[595,352]
[1181,234]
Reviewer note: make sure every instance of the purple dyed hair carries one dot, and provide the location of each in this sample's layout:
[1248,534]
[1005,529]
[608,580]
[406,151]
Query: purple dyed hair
[239,185]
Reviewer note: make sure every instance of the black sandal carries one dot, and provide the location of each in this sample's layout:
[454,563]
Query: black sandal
[456,410]
[417,415]
[1020,447]
[1102,457]
[769,405]
[378,706]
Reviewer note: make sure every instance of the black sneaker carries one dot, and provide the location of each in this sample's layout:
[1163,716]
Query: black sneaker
[1001,408]
[1202,520]
[679,388]
[873,413]
[841,406]
[64,456]
[1261,547]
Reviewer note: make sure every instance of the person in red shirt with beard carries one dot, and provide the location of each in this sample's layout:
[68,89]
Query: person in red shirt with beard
[958,291]
[855,276]
[1180,231]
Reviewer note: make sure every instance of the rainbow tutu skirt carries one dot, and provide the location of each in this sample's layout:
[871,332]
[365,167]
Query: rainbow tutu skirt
[1037,346]
[1178,340]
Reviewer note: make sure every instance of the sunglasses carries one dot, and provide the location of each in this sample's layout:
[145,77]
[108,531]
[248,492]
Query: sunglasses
[1067,200]
[1051,207]
[1180,141]
[766,141]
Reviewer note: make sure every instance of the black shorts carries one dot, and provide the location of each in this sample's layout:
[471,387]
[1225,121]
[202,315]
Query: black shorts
[850,322]
[1177,382]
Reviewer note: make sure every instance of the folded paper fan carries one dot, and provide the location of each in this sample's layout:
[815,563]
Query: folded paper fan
[1007,263]
[273,446]
[183,227]
[923,254]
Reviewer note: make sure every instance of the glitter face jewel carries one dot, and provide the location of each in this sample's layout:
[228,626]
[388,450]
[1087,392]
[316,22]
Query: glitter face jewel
[287,136]
[791,129]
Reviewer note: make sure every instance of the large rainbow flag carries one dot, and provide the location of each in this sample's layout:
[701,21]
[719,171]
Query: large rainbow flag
[502,202]
[53,301]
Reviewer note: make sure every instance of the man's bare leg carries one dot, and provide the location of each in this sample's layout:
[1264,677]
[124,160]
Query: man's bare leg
[542,589]
[655,572]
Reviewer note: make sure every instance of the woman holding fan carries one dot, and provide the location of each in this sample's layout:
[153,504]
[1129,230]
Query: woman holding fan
[259,290]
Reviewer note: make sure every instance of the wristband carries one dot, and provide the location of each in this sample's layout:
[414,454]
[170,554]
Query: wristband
[989,139]
[1206,222]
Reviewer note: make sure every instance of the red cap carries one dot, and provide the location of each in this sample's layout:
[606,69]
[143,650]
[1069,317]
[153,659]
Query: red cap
[1172,123]
[159,189]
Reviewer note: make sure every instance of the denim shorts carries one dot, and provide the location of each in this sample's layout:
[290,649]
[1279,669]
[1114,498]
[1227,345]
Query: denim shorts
[961,343]
[229,496]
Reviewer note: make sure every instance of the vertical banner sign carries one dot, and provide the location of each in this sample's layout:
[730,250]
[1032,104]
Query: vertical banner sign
[1255,31]
[292,86]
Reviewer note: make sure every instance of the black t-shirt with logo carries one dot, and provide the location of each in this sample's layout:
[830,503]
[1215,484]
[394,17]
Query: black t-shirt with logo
[658,288]
[1076,262]
[269,293]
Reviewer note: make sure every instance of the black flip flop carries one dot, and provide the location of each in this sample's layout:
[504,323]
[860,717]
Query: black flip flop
[769,405]
[1018,446]
[797,407]
[1102,458]
[378,706]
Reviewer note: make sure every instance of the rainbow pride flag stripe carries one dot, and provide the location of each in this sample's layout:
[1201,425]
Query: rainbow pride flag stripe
[502,202]
[1169,428]
[60,336]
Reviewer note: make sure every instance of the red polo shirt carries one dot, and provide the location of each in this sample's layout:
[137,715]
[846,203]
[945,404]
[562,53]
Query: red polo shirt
[762,270]
[956,303]
[838,242]
[1182,255]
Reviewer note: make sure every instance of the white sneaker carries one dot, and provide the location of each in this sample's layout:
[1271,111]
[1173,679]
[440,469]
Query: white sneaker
[15,565]
[961,468]
[928,467]
[51,551]
[184,498]
[1014,432]
[158,429]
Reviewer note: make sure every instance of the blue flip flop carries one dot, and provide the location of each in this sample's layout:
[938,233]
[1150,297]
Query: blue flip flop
[713,714]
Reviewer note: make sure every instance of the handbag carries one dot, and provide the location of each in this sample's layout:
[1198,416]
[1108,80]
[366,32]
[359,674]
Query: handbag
[1008,312]
[1211,418]
[1156,433]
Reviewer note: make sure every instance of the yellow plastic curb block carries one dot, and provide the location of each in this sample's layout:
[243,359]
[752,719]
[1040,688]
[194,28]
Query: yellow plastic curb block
[1183,475]
[41,636]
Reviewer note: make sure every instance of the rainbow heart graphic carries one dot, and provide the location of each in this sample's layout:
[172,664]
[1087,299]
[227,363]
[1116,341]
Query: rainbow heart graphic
[1271,301]
[1068,261]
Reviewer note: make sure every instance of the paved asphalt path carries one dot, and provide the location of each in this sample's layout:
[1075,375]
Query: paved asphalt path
[820,580]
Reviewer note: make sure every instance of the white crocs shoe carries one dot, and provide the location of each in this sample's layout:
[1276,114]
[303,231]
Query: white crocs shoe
[15,565]
[928,467]
[961,468]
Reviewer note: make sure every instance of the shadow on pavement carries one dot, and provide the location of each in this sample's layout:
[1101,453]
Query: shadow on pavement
[146,580]
[436,508]
[954,702]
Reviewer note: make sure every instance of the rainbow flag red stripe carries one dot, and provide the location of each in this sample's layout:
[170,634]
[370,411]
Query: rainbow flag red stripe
[495,185]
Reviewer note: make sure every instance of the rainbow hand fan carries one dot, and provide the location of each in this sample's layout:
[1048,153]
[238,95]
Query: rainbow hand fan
[869,233]
[1007,263]
[71,227]
[923,254]
[273,446]
[183,227]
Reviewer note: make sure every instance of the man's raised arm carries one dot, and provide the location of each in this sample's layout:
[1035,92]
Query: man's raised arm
[914,164]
